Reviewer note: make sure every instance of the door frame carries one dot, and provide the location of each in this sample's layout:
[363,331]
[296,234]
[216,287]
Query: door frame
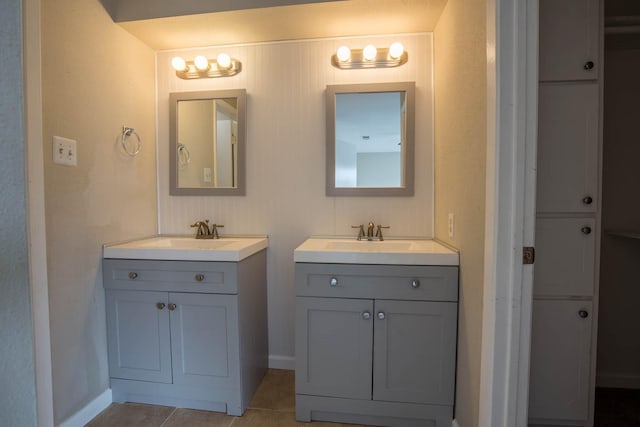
[512,77]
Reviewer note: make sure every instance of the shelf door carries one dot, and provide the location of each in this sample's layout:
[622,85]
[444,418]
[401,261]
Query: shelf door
[204,339]
[138,335]
[415,351]
[569,40]
[568,148]
[560,361]
[334,339]
[565,257]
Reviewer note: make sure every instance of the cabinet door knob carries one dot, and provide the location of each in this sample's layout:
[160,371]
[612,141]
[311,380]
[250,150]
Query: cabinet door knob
[588,65]
[583,313]
[586,230]
[381,315]
[366,315]
[133,275]
[199,277]
[333,281]
[587,200]
[160,305]
[415,284]
[172,307]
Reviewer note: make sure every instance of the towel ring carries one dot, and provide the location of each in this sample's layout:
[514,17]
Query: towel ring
[127,132]
[184,156]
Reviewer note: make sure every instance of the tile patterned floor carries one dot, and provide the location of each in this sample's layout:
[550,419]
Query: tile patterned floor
[273,405]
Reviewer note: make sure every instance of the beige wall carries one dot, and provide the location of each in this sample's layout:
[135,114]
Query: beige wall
[285,198]
[96,78]
[460,152]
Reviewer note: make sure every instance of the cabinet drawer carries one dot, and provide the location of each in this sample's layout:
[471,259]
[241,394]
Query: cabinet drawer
[183,276]
[377,281]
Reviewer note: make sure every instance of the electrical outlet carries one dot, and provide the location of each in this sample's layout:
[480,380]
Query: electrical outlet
[65,151]
[207,175]
[451,223]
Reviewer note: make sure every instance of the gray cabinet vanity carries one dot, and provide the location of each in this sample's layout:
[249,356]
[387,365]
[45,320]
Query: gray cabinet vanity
[186,333]
[376,343]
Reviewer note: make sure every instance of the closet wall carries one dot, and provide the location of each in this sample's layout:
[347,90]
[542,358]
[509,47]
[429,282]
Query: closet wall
[618,328]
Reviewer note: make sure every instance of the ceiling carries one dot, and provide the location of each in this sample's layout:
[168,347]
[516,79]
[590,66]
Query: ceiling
[289,22]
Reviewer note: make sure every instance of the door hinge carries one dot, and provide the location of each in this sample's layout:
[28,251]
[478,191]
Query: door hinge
[528,255]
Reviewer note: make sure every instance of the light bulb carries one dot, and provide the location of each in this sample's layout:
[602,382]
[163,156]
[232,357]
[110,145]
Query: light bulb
[223,60]
[178,63]
[201,62]
[369,52]
[343,53]
[396,50]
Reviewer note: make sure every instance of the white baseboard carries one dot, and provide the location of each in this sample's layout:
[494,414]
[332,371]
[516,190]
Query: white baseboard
[609,380]
[282,362]
[93,408]
[454,423]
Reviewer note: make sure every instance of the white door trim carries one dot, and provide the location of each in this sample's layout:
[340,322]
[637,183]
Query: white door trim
[32,75]
[512,64]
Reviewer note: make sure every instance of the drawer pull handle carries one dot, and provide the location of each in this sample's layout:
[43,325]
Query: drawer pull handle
[160,305]
[366,315]
[172,307]
[583,313]
[415,284]
[333,281]
[133,275]
[587,200]
[199,277]
[586,230]
[588,65]
[381,315]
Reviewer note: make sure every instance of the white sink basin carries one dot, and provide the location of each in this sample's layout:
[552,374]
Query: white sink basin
[391,251]
[187,248]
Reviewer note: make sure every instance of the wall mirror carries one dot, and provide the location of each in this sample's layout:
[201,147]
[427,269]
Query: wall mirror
[207,142]
[370,139]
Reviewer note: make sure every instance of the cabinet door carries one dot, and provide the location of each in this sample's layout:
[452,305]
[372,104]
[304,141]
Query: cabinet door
[415,351]
[204,339]
[568,148]
[569,39]
[560,360]
[334,339]
[565,257]
[138,335]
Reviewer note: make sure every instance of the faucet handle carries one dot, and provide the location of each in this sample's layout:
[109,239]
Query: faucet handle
[379,231]
[360,231]
[214,230]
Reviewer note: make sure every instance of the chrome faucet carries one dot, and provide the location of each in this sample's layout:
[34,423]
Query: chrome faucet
[204,232]
[369,234]
[370,231]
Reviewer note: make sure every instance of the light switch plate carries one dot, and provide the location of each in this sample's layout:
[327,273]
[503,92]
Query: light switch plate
[65,151]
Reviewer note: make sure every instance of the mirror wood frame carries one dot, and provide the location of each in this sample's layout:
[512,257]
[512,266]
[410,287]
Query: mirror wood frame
[408,152]
[174,98]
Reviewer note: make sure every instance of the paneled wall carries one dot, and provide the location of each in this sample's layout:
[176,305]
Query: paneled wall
[285,197]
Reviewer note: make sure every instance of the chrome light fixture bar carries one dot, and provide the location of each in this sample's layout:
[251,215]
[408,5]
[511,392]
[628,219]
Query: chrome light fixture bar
[201,67]
[370,57]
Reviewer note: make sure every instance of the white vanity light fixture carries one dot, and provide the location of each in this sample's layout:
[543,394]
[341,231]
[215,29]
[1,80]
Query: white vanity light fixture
[370,57]
[202,67]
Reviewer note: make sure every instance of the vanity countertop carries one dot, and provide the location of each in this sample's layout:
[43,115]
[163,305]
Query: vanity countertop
[187,248]
[390,251]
